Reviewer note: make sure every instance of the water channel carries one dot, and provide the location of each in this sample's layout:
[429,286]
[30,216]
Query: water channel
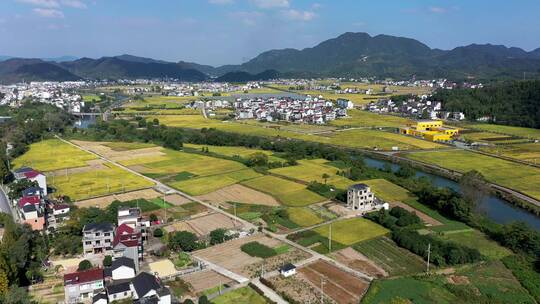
[493,207]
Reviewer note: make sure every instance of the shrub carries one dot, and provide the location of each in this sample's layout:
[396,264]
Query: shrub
[85,265]
[107,261]
[256,249]
[158,232]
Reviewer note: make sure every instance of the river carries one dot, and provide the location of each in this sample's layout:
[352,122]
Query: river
[495,208]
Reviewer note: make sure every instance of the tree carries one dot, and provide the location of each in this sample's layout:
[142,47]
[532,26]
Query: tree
[4,172]
[474,186]
[153,217]
[16,295]
[4,283]
[188,301]
[183,240]
[218,236]
[204,300]
[158,232]
[325,177]
[172,139]
[17,187]
[155,122]
[85,265]
[107,261]
[405,171]
[257,159]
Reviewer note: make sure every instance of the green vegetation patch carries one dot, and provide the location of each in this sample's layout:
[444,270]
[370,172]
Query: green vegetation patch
[393,259]
[229,151]
[256,249]
[477,240]
[244,295]
[313,170]
[351,231]
[207,184]
[303,216]
[387,191]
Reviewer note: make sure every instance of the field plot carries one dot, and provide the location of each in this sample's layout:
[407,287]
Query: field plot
[312,170]
[104,201]
[303,217]
[387,191]
[469,284]
[357,261]
[492,138]
[351,231]
[183,212]
[342,287]
[53,154]
[527,152]
[203,224]
[509,130]
[374,139]
[244,295]
[232,151]
[438,222]
[359,118]
[162,268]
[206,184]
[206,279]
[505,173]
[97,183]
[476,239]
[117,151]
[240,194]
[387,255]
[127,146]
[287,192]
[231,257]
[158,101]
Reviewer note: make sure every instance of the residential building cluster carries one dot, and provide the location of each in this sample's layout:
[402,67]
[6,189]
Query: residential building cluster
[33,207]
[123,280]
[419,107]
[60,94]
[310,110]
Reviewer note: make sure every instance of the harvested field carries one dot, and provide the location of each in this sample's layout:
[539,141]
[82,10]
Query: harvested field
[176,199]
[293,256]
[424,217]
[298,288]
[229,255]
[358,261]
[181,213]
[104,149]
[163,268]
[286,191]
[104,201]
[240,194]
[342,287]
[206,279]
[202,225]
[95,164]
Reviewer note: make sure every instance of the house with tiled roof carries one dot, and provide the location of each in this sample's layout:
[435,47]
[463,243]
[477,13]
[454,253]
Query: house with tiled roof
[81,286]
[32,175]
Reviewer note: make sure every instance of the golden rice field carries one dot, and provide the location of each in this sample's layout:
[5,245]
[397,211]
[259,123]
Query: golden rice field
[287,192]
[387,191]
[231,151]
[527,152]
[206,184]
[312,170]
[505,173]
[96,183]
[359,118]
[351,231]
[508,130]
[53,154]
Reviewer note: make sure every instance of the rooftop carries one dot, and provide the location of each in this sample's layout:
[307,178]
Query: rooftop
[359,187]
[80,277]
[103,227]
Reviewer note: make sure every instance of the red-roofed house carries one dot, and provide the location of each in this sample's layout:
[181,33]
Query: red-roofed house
[81,286]
[128,243]
[29,200]
[32,175]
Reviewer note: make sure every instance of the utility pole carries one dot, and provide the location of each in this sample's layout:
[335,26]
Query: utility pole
[428,256]
[323,281]
[235,219]
[330,239]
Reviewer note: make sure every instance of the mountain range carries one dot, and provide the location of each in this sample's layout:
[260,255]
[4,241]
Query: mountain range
[349,55]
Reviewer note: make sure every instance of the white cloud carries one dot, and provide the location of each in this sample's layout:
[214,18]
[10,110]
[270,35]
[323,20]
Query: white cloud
[293,14]
[74,3]
[316,6]
[271,3]
[48,13]
[438,10]
[221,2]
[247,18]
[41,3]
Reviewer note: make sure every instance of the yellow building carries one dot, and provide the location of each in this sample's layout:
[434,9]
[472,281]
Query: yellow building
[430,130]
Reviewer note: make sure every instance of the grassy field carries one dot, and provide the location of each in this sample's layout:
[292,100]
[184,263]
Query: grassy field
[244,295]
[359,118]
[509,130]
[312,170]
[161,101]
[303,217]
[506,173]
[374,139]
[97,182]
[448,224]
[485,283]
[229,151]
[476,239]
[90,98]
[527,152]
[53,154]
[387,191]
[351,231]
[287,192]
[393,259]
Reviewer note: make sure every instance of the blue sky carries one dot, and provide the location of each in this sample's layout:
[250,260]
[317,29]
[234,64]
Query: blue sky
[232,31]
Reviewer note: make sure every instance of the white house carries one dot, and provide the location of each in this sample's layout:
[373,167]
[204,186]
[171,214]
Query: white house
[118,292]
[287,270]
[147,286]
[360,197]
[122,268]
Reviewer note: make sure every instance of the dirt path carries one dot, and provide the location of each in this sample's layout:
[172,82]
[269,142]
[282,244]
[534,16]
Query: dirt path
[424,217]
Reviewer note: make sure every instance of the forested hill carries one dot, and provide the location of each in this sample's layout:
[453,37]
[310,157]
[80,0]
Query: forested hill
[515,103]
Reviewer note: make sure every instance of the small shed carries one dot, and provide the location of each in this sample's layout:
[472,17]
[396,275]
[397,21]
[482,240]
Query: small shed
[287,270]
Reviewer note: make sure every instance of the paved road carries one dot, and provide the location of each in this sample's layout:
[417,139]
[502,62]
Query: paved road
[4,202]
